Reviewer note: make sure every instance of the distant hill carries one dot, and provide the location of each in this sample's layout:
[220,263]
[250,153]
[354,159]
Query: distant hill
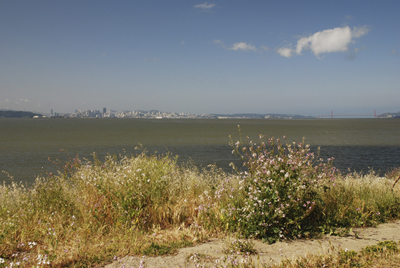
[271,116]
[389,115]
[17,114]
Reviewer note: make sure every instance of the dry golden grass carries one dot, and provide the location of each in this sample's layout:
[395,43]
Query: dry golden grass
[94,212]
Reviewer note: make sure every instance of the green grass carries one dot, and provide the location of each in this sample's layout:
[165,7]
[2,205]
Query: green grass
[92,212]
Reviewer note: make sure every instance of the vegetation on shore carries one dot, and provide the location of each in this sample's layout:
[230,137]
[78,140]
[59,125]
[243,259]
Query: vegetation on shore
[92,212]
[17,114]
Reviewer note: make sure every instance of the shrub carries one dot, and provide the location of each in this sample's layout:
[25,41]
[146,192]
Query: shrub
[278,196]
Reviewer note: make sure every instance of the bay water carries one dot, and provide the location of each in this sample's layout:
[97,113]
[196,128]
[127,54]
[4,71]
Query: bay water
[27,144]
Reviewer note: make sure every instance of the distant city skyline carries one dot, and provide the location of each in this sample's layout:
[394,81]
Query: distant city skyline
[201,57]
[104,112]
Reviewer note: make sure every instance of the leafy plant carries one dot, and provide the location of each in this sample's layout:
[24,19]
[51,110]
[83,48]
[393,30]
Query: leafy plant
[280,188]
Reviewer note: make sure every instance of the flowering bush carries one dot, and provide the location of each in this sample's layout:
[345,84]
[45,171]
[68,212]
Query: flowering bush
[279,193]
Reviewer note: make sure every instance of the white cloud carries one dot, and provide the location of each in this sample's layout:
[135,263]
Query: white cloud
[7,100]
[243,46]
[326,41]
[358,32]
[239,46]
[331,40]
[24,100]
[205,6]
[285,52]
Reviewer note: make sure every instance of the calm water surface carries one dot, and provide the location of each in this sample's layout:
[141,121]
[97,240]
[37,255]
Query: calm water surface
[26,144]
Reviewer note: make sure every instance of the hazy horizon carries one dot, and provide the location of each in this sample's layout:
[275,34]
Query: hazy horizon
[215,57]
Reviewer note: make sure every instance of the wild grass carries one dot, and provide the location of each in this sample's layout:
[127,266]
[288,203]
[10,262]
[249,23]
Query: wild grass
[94,212]
[360,200]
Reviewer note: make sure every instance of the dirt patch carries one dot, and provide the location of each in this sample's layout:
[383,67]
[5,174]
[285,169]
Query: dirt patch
[210,252]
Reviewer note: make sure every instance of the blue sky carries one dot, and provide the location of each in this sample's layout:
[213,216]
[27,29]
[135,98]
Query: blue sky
[227,56]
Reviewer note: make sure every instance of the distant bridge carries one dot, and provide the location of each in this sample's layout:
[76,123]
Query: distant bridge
[348,115]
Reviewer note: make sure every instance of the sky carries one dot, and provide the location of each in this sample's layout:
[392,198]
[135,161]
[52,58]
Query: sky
[306,57]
